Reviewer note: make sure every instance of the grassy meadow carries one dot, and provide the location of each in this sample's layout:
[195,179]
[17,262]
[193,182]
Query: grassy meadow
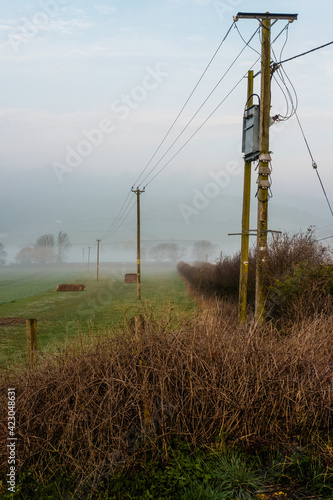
[193,406]
[106,304]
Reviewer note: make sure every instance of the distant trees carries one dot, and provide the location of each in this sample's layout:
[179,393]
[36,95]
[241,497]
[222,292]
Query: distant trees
[45,241]
[202,250]
[3,254]
[63,245]
[25,256]
[167,252]
[46,250]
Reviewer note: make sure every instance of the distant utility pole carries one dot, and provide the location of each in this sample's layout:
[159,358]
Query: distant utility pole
[83,254]
[88,258]
[98,241]
[138,192]
[264,156]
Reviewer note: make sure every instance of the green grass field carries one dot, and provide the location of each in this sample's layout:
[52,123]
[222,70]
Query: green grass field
[103,306]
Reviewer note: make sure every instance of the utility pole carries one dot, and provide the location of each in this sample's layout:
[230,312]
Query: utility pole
[83,255]
[244,265]
[264,153]
[98,241]
[264,170]
[138,192]
[88,258]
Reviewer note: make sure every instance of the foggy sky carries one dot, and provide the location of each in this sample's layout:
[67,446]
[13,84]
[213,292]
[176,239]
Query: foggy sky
[89,90]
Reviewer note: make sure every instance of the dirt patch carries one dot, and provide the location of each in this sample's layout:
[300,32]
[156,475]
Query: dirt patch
[12,321]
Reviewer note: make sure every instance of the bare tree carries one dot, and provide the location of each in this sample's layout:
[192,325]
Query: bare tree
[45,241]
[203,249]
[175,253]
[159,252]
[63,245]
[25,256]
[3,254]
[167,251]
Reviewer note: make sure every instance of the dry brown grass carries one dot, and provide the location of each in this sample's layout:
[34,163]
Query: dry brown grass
[93,410]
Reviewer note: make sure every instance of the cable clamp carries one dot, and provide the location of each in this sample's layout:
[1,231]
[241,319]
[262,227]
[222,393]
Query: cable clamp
[275,66]
[264,170]
[264,184]
[314,164]
[265,157]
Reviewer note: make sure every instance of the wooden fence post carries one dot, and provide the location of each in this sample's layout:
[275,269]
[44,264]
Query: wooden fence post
[31,326]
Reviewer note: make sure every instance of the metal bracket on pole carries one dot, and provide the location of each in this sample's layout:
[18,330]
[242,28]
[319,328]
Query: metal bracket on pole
[265,15]
[241,234]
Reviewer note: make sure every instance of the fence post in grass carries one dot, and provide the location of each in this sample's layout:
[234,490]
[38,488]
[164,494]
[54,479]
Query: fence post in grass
[31,326]
[138,326]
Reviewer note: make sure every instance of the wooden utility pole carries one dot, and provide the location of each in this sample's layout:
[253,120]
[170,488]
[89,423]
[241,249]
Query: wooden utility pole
[264,170]
[88,258]
[244,266]
[264,153]
[98,241]
[138,192]
[31,329]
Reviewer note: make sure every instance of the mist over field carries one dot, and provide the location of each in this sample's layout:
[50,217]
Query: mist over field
[102,86]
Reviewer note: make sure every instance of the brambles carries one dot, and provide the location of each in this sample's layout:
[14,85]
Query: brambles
[209,383]
[299,278]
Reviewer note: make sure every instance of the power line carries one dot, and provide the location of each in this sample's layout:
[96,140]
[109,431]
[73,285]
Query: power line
[327,238]
[211,114]
[122,215]
[195,114]
[246,43]
[186,102]
[117,216]
[305,53]
[254,50]
[123,207]
[314,164]
[123,218]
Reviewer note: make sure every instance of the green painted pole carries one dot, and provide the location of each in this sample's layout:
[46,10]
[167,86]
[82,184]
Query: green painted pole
[244,260]
[263,179]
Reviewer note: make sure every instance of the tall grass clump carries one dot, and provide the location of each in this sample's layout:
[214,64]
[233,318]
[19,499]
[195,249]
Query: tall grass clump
[209,383]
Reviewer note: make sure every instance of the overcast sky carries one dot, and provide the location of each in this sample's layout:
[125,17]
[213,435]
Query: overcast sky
[89,90]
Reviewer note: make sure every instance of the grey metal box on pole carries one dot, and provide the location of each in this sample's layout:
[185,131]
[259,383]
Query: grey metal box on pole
[250,142]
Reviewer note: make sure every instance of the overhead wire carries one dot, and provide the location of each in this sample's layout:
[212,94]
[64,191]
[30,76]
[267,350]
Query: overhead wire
[217,107]
[185,104]
[307,52]
[202,124]
[124,206]
[314,164]
[280,70]
[195,114]
[123,218]
[118,216]
[327,238]
[122,215]
[287,93]
[254,50]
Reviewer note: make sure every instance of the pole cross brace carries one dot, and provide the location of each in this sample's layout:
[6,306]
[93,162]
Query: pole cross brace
[246,233]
